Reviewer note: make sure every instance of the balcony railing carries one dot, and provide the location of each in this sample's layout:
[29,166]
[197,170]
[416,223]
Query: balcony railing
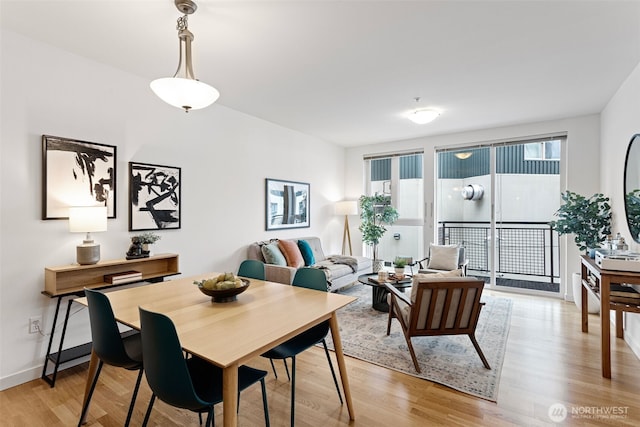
[525,250]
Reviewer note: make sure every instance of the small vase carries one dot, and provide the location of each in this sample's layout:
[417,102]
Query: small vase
[146,249]
[399,271]
[376,265]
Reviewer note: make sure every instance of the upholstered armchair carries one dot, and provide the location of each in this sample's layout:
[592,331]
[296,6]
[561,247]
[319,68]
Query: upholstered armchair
[438,306]
[444,258]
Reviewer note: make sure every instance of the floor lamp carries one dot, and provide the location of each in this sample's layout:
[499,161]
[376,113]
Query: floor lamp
[346,208]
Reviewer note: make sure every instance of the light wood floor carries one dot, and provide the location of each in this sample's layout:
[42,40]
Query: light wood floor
[548,360]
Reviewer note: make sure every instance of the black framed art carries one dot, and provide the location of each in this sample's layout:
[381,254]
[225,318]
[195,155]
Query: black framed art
[154,197]
[286,204]
[77,173]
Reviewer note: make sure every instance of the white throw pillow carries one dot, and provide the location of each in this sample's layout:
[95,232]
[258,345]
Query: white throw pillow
[443,257]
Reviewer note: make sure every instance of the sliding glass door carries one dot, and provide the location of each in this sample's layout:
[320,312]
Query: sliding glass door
[497,201]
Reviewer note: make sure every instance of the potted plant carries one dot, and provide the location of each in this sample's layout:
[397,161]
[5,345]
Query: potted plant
[375,212]
[399,264]
[147,238]
[588,218]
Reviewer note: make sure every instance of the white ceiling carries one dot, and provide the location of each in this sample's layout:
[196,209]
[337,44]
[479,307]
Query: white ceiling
[347,71]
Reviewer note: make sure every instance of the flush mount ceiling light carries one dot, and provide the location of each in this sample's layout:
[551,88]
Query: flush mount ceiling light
[423,116]
[183,90]
[463,155]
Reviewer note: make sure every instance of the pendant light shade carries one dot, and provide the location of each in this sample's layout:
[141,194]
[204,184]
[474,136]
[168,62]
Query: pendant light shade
[183,90]
[184,93]
[422,116]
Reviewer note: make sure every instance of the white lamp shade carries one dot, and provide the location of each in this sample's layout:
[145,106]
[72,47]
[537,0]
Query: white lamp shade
[347,207]
[184,93]
[85,219]
[422,117]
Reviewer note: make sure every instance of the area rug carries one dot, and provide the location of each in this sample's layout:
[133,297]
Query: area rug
[448,360]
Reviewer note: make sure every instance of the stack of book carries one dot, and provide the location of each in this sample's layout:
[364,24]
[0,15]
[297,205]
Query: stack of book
[624,294]
[123,277]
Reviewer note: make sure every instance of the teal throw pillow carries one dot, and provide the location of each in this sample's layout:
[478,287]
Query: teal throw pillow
[273,255]
[307,253]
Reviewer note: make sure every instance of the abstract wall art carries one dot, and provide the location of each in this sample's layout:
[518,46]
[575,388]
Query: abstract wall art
[154,197]
[77,173]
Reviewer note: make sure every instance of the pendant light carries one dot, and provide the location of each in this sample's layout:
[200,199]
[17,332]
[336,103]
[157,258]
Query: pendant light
[183,90]
[423,116]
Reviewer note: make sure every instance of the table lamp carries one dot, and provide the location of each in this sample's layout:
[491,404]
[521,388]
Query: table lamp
[346,208]
[86,219]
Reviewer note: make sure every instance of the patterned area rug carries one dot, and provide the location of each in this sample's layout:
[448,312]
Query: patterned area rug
[448,360]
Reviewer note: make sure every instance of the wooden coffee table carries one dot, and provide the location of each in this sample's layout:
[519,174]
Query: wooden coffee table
[379,292]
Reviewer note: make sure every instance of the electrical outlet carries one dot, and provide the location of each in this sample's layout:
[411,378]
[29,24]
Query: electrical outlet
[35,324]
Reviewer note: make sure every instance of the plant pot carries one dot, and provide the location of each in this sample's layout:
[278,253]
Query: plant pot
[593,303]
[146,248]
[376,265]
[399,271]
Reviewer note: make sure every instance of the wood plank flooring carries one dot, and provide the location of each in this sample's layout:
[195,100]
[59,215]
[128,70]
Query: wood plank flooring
[548,361]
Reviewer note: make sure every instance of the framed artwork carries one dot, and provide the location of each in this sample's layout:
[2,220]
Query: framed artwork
[154,197]
[287,204]
[77,173]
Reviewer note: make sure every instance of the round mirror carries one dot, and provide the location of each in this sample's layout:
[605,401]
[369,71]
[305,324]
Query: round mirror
[632,187]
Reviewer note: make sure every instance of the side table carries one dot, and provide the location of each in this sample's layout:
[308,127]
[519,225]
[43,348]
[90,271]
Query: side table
[379,292]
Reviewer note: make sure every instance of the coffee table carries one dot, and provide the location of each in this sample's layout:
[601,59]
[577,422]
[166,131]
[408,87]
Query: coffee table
[379,292]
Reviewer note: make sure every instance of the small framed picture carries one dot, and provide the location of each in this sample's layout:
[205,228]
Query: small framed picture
[77,173]
[287,204]
[154,197]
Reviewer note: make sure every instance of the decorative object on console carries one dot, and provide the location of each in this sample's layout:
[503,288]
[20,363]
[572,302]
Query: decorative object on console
[87,219]
[286,204]
[375,212]
[346,208]
[588,218]
[183,90]
[154,196]
[76,173]
[148,238]
[135,249]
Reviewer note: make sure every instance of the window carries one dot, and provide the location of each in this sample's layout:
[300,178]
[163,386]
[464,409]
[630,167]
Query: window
[544,150]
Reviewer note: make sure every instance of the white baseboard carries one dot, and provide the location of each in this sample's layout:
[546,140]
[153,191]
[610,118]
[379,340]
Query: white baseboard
[35,373]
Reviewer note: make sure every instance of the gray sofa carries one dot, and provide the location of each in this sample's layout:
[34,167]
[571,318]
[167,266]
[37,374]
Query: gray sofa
[338,275]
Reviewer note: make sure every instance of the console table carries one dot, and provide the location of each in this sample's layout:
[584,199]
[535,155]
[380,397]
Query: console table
[71,280]
[598,282]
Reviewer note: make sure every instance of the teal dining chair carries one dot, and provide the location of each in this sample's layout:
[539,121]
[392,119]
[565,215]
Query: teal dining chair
[252,268]
[193,383]
[316,279]
[110,347]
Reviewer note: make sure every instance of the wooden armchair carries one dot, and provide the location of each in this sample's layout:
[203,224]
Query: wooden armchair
[438,306]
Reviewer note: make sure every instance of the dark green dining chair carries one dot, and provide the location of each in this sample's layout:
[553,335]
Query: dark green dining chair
[193,383]
[110,347]
[311,278]
[252,268]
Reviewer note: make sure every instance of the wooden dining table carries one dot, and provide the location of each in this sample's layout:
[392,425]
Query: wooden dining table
[232,333]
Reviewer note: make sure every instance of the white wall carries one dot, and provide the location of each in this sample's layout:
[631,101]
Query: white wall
[224,155]
[580,171]
[619,124]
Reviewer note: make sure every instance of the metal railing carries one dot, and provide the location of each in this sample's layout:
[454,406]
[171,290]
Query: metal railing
[522,248]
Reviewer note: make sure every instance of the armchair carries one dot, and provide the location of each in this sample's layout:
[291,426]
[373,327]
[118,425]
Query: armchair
[438,306]
[443,258]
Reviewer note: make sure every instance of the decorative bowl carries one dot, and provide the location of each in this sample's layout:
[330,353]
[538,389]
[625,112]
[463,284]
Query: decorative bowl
[225,295]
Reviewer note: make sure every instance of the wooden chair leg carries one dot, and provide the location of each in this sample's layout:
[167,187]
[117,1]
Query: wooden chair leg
[413,353]
[479,350]
[390,316]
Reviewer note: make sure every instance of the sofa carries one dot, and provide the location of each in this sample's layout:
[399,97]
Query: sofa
[306,252]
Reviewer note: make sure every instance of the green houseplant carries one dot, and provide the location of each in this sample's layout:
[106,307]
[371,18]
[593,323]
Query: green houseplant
[399,264]
[588,218]
[147,238]
[375,212]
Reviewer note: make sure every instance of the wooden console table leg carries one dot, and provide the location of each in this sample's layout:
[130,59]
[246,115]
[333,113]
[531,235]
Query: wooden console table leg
[605,323]
[619,324]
